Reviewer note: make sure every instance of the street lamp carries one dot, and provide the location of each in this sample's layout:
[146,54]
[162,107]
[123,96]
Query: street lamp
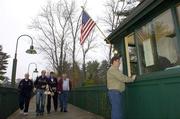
[35,71]
[29,51]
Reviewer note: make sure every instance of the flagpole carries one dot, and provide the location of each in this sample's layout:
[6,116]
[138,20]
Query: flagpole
[103,34]
[82,7]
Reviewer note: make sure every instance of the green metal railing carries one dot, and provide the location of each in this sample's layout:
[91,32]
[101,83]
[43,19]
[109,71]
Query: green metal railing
[8,101]
[93,99]
[151,96]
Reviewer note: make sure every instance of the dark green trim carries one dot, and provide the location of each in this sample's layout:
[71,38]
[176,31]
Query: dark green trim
[152,9]
[176,25]
[138,54]
[123,49]
[159,75]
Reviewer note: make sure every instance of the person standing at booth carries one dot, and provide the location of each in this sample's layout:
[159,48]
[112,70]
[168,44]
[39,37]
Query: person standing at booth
[116,86]
[25,90]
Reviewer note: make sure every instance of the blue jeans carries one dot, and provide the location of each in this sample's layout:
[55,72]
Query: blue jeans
[40,100]
[115,98]
[60,100]
[64,100]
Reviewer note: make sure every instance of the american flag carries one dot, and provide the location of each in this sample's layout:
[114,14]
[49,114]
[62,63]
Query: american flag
[87,26]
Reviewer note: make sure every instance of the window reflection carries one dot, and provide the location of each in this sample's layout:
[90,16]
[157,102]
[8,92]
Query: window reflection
[144,37]
[165,39]
[157,44]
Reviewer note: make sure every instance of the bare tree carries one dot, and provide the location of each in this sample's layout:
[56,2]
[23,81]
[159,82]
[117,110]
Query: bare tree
[53,31]
[74,23]
[86,47]
[117,11]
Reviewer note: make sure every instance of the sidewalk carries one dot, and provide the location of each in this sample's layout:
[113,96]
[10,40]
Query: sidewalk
[73,113]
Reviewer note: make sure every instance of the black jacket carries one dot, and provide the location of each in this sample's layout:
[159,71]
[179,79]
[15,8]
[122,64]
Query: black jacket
[25,87]
[41,82]
[52,84]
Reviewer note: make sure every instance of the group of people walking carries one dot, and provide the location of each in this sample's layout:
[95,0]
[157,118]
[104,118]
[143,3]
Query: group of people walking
[45,88]
[58,88]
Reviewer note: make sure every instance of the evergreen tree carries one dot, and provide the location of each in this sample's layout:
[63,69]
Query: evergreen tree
[91,73]
[3,63]
[92,69]
[102,72]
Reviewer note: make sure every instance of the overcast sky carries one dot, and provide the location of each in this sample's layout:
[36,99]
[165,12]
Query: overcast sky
[15,16]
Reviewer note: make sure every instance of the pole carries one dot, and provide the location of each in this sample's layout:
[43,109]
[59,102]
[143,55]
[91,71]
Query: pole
[14,71]
[14,67]
[30,64]
[103,34]
[101,31]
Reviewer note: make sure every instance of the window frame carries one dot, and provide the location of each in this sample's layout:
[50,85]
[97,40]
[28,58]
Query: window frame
[173,11]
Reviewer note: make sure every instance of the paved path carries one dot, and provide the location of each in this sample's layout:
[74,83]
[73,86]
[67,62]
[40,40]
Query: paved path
[73,113]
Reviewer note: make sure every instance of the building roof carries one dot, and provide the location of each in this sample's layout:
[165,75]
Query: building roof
[130,20]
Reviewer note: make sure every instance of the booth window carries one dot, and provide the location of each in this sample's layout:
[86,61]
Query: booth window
[144,38]
[131,54]
[178,12]
[158,44]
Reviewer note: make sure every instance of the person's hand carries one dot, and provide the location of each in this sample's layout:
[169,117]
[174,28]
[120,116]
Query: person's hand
[59,92]
[34,90]
[43,86]
[133,77]
[52,94]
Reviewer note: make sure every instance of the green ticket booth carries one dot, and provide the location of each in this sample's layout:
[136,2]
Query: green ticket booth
[149,42]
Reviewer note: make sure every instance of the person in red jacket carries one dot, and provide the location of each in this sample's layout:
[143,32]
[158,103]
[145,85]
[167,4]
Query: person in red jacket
[63,87]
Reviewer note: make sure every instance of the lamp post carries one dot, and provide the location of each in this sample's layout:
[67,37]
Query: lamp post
[35,71]
[29,51]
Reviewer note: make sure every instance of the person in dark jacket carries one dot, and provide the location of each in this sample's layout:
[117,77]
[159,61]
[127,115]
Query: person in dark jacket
[63,87]
[40,87]
[25,90]
[52,85]
[59,90]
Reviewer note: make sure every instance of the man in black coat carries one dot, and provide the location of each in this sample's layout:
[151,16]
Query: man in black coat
[25,90]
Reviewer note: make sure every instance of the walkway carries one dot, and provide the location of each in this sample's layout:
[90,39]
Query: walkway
[73,113]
